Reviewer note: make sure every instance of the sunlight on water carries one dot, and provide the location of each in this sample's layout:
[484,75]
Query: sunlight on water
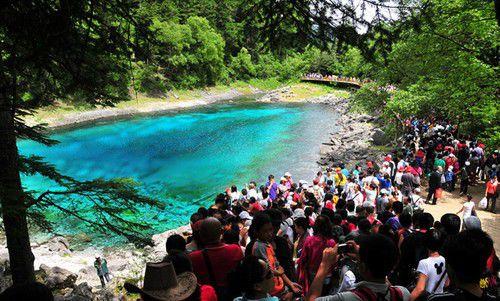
[184,158]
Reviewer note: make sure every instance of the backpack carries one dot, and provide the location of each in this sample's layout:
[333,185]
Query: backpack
[367,294]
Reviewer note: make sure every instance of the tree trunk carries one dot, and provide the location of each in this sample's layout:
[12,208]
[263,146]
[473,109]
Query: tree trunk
[13,203]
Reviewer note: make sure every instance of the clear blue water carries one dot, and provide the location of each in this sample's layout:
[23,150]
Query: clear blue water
[183,158]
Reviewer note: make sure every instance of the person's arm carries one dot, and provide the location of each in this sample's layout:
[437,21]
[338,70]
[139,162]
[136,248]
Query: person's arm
[296,289]
[461,210]
[329,259]
[419,288]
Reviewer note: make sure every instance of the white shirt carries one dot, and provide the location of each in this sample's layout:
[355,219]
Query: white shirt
[433,268]
[468,206]
[397,178]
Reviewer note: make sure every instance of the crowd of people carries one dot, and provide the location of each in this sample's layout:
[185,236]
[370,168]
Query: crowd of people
[319,76]
[355,233]
[352,233]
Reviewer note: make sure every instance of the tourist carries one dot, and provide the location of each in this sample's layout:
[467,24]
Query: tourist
[212,263]
[467,208]
[162,283]
[175,244]
[253,280]
[311,254]
[272,188]
[491,193]
[262,233]
[466,255]
[301,225]
[432,276]
[377,255]
[101,266]
[464,178]
[434,184]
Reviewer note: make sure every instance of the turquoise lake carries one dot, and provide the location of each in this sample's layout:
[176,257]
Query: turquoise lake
[186,156]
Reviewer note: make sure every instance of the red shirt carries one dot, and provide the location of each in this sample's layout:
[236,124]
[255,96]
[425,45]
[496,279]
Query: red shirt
[255,207]
[207,293]
[223,259]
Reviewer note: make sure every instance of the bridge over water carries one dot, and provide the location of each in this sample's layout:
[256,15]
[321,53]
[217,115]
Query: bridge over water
[334,79]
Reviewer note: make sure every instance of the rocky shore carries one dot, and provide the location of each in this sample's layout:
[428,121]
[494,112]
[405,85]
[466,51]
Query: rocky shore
[71,273]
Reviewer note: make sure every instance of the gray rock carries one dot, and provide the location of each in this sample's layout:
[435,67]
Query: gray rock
[57,244]
[379,137]
[57,278]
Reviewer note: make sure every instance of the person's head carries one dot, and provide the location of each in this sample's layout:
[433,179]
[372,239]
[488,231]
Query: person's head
[397,207]
[234,188]
[425,221]
[405,220]
[27,292]
[433,240]
[270,178]
[337,219]
[301,225]
[369,210]
[231,236]
[469,197]
[203,212]
[210,230]
[350,206]
[378,255]
[252,277]
[466,254]
[175,243]
[195,217]
[364,226]
[261,227]
[450,223]
[181,262]
[322,226]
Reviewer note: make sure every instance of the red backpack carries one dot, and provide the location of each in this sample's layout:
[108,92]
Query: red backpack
[367,294]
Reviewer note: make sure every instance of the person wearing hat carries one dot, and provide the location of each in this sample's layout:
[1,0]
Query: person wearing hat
[162,284]
[101,266]
[288,178]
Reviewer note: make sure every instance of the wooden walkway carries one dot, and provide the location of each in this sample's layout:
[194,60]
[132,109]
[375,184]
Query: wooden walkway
[340,80]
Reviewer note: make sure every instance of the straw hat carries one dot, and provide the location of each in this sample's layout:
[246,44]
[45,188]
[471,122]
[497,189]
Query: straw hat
[161,283]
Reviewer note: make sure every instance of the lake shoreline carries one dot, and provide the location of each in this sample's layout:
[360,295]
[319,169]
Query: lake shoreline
[127,261]
[82,119]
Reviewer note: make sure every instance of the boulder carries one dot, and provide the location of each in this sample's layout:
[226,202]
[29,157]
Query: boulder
[57,278]
[379,137]
[83,290]
[58,244]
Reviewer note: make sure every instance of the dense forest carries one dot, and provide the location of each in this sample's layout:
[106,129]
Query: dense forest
[441,55]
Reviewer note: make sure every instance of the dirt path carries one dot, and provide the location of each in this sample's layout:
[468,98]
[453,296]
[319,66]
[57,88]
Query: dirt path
[452,203]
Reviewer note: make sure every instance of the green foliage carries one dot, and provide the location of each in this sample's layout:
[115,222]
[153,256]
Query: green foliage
[148,79]
[370,97]
[190,54]
[447,68]
[241,66]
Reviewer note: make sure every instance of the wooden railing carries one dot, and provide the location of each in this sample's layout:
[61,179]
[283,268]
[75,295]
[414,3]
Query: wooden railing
[334,79]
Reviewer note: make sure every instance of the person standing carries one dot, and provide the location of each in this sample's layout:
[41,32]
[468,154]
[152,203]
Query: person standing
[491,193]
[101,266]
[464,178]
[434,184]
[467,208]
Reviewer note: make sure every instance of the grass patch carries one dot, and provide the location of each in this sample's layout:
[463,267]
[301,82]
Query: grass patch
[309,90]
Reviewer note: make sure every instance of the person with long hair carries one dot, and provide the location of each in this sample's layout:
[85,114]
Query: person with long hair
[312,251]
